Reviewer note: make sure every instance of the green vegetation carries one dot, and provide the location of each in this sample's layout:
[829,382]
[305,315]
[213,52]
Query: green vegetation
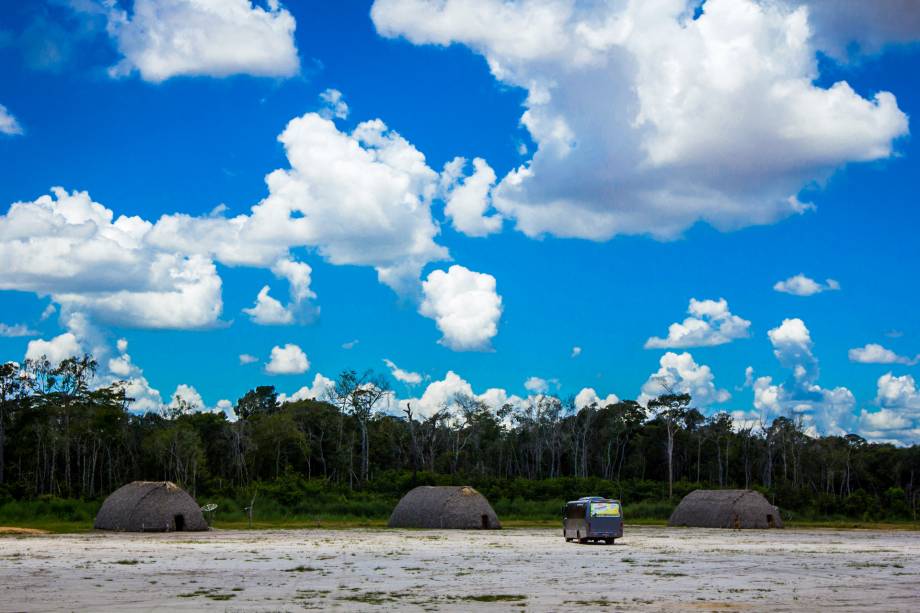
[344,463]
[494,598]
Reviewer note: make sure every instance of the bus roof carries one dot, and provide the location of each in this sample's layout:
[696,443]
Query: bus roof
[592,499]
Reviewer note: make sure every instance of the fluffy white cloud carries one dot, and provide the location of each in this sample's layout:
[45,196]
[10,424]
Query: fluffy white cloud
[680,372]
[319,390]
[75,249]
[898,392]
[800,285]
[246,358]
[822,410]
[587,396]
[287,360]
[8,124]
[873,353]
[16,330]
[144,398]
[335,104]
[361,199]
[466,199]
[268,311]
[350,344]
[405,376]
[728,133]
[536,385]
[710,323]
[56,350]
[167,38]
[122,368]
[440,394]
[576,351]
[465,306]
[898,418]
[186,394]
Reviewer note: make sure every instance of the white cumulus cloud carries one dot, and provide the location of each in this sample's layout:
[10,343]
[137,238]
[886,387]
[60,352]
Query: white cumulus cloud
[465,306]
[536,385]
[440,394]
[268,311]
[681,373]
[873,353]
[405,376]
[246,358]
[822,410]
[647,120]
[56,350]
[800,285]
[319,390]
[8,124]
[88,260]
[588,396]
[467,199]
[287,360]
[162,39]
[897,419]
[710,323]
[335,104]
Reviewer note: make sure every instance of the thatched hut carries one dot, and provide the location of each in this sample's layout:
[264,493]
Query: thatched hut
[444,507]
[725,509]
[150,506]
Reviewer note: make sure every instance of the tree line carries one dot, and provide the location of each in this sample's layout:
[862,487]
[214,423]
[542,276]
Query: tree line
[62,437]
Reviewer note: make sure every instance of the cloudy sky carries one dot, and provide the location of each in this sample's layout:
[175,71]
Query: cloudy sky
[586,199]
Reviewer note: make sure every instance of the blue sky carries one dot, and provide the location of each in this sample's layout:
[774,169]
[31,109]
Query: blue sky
[657,175]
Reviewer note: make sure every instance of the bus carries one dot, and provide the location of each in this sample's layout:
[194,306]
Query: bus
[592,518]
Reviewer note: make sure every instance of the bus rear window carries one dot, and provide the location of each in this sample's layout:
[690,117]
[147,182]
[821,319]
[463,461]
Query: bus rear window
[605,509]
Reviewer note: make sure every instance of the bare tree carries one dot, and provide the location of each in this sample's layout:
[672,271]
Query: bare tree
[359,397]
[670,407]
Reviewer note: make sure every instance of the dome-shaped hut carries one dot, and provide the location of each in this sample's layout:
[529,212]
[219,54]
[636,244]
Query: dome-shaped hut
[459,507]
[150,506]
[725,509]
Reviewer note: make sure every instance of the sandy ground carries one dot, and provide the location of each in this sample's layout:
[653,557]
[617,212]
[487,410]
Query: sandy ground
[651,568]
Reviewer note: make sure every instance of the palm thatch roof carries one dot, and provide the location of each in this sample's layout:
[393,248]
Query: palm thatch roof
[726,509]
[459,507]
[150,506]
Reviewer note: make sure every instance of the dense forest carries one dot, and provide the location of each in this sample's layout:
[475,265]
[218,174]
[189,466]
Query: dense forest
[61,438]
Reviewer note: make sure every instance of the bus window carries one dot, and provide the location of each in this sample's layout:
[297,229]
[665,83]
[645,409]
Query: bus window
[605,509]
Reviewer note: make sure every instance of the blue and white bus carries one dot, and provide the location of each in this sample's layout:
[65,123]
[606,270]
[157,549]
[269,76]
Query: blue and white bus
[592,518]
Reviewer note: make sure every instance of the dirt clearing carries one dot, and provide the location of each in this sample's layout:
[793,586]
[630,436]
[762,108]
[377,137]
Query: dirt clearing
[651,568]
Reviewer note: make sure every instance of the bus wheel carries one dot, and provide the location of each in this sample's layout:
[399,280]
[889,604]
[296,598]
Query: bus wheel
[580,540]
[609,541]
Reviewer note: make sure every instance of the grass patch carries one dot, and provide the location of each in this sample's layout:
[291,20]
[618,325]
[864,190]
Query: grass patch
[211,594]
[126,562]
[303,569]
[494,598]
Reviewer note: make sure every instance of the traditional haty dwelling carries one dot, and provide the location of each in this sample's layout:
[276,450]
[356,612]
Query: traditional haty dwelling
[459,507]
[150,506]
[725,509]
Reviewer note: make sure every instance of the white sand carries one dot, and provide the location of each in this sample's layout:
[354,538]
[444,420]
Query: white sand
[650,568]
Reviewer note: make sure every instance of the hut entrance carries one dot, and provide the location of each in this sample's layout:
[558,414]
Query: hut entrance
[770,522]
[180,522]
[485,522]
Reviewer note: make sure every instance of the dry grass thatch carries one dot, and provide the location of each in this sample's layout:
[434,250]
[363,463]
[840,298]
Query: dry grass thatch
[725,509]
[150,506]
[459,507]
